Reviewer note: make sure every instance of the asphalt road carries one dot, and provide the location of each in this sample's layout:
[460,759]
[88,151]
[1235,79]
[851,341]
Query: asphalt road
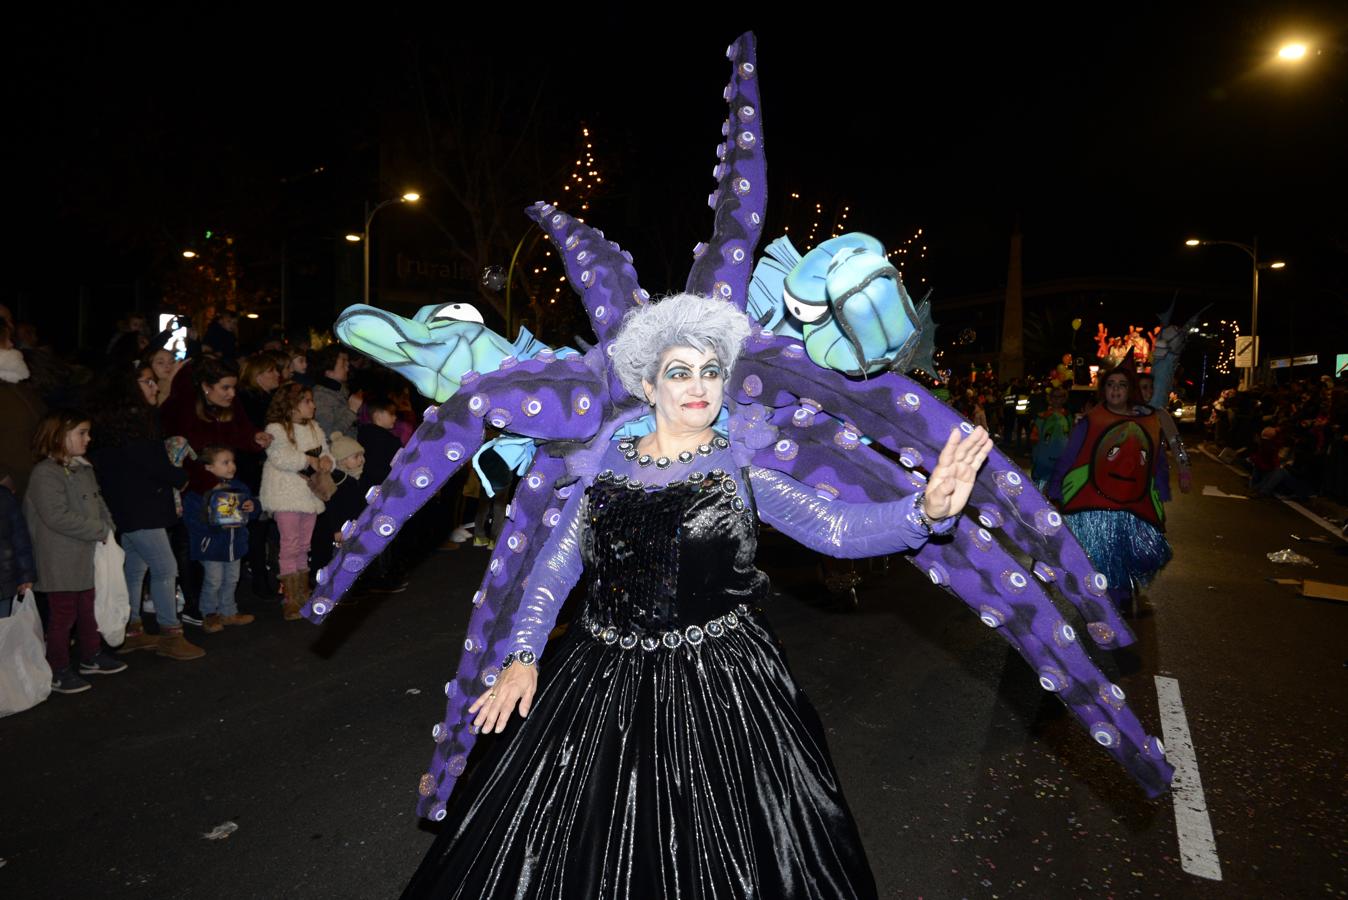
[967,780]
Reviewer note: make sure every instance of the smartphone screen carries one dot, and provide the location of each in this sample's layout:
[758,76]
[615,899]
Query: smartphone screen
[177,340]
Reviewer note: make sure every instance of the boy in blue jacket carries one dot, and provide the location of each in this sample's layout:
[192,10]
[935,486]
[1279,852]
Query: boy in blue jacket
[217,536]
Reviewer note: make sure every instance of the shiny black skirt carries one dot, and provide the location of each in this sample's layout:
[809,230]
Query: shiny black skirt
[696,772]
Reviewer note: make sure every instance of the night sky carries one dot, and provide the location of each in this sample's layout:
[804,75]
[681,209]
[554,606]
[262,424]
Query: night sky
[1109,136]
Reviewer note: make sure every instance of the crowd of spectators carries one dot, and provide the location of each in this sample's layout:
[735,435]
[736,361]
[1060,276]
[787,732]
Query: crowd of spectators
[1293,436]
[223,476]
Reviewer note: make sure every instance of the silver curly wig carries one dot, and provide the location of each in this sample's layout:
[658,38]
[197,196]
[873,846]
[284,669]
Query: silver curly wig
[679,320]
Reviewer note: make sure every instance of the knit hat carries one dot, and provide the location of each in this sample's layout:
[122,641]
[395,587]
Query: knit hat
[343,446]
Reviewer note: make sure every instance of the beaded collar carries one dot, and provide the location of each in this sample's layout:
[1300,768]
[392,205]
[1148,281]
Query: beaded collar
[628,448]
[624,464]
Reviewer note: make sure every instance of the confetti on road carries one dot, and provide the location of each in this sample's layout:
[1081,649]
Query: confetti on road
[412,691]
[221,831]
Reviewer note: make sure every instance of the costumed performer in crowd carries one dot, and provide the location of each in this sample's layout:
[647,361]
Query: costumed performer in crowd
[1106,484]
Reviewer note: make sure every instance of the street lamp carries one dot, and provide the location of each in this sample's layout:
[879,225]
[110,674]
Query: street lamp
[408,197]
[1292,52]
[189,254]
[1251,250]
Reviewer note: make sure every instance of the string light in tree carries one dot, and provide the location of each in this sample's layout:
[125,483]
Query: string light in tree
[580,187]
[1227,334]
[910,258]
[840,222]
[814,226]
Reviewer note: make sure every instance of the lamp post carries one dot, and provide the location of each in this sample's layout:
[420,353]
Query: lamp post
[1251,250]
[409,197]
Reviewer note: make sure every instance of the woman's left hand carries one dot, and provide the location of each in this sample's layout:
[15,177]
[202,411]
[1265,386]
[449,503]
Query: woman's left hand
[263,439]
[516,684]
[952,480]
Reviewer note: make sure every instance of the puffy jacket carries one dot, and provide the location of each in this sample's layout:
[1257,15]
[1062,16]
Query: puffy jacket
[283,488]
[216,543]
[66,517]
[16,548]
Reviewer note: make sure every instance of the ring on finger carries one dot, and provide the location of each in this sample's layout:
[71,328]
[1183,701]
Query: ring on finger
[491,696]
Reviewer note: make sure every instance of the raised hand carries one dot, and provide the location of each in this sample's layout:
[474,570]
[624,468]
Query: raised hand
[952,480]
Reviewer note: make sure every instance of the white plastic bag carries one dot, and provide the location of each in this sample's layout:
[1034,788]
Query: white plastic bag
[112,610]
[25,677]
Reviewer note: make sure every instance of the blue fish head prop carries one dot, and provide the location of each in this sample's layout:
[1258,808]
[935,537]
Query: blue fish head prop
[433,349]
[858,318]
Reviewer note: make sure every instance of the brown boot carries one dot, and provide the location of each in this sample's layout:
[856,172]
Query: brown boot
[173,645]
[297,592]
[137,639]
[236,619]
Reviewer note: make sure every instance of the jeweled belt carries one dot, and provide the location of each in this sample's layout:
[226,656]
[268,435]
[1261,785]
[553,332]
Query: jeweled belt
[673,638]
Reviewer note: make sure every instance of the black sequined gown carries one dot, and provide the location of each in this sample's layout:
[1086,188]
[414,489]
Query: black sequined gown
[669,753]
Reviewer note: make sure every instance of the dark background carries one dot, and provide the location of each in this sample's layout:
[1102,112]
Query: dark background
[1108,136]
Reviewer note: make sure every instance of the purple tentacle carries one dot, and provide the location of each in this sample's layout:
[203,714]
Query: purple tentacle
[899,414]
[802,438]
[535,509]
[545,398]
[1004,596]
[600,272]
[723,267]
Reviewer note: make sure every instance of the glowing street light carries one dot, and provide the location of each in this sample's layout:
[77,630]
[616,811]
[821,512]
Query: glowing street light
[1292,52]
[250,315]
[1277,265]
[407,197]
[1192,242]
[189,254]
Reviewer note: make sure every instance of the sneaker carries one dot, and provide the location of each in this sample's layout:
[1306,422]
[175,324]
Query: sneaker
[173,645]
[65,681]
[212,624]
[102,664]
[236,619]
[191,618]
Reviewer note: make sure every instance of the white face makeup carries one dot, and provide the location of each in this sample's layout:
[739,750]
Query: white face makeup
[688,390]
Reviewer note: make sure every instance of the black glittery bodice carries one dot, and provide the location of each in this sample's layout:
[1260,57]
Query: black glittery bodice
[668,558]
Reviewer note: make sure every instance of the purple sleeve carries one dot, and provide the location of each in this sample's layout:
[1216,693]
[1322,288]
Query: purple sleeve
[837,527]
[1053,490]
[555,572]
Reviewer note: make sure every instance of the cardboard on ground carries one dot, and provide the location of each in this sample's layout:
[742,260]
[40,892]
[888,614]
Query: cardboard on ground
[1324,591]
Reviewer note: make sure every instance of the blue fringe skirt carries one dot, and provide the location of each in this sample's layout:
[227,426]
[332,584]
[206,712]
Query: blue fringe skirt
[1128,550]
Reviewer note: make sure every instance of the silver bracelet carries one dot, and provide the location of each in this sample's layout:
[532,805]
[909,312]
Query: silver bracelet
[523,657]
[920,515]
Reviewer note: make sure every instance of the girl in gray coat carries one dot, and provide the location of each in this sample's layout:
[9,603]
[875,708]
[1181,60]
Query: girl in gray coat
[67,518]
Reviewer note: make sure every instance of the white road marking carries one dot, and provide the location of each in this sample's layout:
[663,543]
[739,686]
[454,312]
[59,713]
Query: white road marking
[1198,848]
[1323,523]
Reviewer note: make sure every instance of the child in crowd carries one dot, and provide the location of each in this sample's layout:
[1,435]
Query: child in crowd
[66,519]
[298,450]
[217,536]
[378,439]
[346,503]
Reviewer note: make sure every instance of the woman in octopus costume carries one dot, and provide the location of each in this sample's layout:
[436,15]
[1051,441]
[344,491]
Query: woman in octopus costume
[669,752]
[815,445]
